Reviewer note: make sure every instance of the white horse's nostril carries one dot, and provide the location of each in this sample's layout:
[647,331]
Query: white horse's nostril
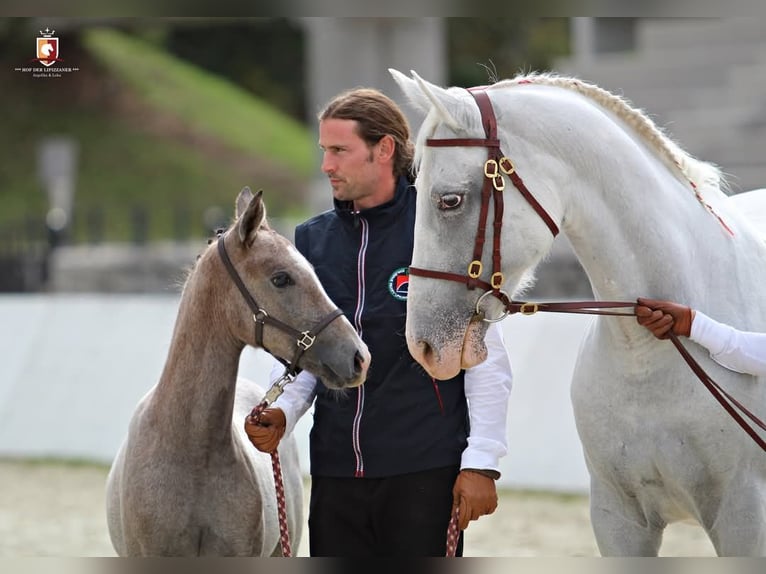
[358,363]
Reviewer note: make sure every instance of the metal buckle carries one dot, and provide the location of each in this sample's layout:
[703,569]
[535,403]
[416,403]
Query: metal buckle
[490,168]
[474,269]
[506,165]
[534,308]
[306,340]
[496,280]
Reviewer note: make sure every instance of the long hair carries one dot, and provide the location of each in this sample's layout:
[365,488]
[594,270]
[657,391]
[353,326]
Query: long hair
[376,115]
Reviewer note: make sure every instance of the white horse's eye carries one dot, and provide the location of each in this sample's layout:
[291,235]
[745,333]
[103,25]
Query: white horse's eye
[450,201]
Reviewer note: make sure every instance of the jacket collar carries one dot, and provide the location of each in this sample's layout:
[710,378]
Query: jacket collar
[345,210]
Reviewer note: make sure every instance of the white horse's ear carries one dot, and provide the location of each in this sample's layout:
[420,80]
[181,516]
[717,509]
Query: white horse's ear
[427,96]
[412,91]
[251,214]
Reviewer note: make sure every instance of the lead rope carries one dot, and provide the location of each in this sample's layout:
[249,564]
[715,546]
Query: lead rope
[284,533]
[271,395]
[453,534]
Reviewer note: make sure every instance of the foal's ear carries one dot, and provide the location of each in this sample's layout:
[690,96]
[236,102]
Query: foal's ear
[251,213]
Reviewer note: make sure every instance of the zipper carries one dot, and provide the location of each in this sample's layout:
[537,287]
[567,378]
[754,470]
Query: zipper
[360,300]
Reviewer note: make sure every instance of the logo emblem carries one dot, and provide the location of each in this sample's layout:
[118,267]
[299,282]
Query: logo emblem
[399,283]
[47,48]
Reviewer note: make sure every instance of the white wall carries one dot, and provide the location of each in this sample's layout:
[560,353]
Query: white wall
[73,367]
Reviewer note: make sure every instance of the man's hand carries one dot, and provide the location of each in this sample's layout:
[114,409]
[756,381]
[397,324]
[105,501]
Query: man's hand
[268,431]
[662,316]
[475,495]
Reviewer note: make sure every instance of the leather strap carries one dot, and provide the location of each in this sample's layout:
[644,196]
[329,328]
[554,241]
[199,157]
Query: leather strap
[303,339]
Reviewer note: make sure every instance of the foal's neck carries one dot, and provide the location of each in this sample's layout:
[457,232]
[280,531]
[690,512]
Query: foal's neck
[197,386]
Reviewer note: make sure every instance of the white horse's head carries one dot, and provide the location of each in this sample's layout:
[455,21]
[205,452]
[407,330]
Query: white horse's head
[443,332]
[584,160]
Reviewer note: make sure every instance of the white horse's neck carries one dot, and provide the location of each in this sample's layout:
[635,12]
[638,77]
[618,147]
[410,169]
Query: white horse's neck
[195,394]
[633,220]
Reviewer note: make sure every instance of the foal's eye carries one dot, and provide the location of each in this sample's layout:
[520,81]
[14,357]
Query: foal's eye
[281,279]
[450,200]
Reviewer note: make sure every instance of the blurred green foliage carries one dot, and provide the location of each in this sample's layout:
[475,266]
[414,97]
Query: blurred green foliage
[154,134]
[174,116]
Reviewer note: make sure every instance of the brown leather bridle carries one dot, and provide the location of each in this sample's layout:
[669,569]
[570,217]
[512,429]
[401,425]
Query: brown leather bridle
[496,164]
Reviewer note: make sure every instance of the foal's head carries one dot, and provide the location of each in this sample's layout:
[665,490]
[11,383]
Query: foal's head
[285,289]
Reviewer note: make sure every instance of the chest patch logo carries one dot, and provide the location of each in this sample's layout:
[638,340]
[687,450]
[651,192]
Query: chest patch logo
[398,284]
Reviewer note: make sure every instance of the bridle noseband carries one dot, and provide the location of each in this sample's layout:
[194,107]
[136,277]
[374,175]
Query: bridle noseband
[495,166]
[303,339]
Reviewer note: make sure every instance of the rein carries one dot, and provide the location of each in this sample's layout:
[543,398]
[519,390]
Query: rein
[728,402]
[303,341]
[493,186]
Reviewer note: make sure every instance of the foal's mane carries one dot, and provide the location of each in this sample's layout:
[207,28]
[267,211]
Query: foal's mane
[701,176]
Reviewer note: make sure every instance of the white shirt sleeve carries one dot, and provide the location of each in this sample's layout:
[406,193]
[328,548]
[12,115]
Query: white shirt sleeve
[741,351]
[487,388]
[297,397]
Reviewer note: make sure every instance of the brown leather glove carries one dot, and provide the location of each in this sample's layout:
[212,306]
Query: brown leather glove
[268,431]
[662,316]
[475,494]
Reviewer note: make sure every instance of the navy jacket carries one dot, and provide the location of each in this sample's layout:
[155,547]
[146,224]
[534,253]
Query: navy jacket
[400,420]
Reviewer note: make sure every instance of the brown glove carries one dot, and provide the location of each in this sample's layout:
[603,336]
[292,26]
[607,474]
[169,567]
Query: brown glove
[475,494]
[662,316]
[268,431]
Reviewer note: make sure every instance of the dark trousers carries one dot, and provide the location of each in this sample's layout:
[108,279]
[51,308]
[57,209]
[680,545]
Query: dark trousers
[405,515]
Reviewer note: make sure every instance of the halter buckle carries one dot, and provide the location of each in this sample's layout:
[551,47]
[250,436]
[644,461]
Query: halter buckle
[306,340]
[490,168]
[496,280]
[474,269]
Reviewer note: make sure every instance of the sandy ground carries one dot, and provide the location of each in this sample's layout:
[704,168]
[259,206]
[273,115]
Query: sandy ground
[51,509]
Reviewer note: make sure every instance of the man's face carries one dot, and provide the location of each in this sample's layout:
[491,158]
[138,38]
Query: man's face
[347,160]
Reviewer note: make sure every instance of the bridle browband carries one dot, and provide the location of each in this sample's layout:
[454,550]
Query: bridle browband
[303,339]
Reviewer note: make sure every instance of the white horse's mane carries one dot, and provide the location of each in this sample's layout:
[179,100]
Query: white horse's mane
[701,176]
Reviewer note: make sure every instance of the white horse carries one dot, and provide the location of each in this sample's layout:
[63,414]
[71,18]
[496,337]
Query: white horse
[186,481]
[644,219]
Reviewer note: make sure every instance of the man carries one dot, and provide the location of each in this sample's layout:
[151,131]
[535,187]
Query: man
[390,459]
[741,351]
